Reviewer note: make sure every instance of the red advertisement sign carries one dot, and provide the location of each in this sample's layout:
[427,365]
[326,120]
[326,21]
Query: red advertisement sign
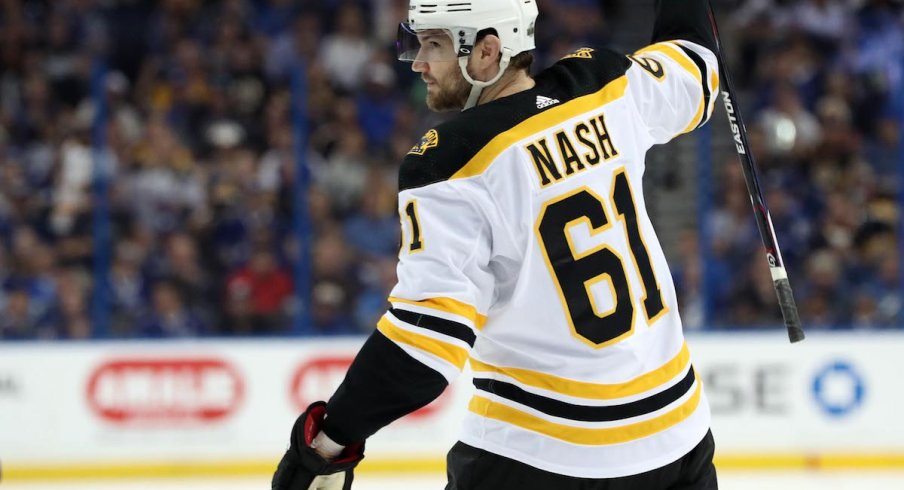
[164,390]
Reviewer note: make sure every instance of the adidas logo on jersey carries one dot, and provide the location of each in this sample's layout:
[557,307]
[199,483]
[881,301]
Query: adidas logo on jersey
[545,101]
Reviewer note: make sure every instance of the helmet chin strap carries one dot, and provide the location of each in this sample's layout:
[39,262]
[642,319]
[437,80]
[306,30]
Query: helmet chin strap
[477,86]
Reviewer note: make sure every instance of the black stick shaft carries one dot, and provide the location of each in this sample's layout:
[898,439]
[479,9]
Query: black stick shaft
[761,212]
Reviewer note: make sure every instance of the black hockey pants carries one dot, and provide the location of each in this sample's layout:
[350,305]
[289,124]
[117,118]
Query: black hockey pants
[470,468]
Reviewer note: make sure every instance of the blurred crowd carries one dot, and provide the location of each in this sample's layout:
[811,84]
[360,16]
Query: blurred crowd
[823,85]
[199,167]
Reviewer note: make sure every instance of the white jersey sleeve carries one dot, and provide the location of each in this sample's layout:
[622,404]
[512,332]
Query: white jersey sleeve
[676,85]
[444,285]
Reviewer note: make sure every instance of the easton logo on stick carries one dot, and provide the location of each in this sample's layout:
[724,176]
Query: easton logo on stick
[733,122]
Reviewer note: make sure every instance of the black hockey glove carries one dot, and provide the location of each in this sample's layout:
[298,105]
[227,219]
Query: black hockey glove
[301,468]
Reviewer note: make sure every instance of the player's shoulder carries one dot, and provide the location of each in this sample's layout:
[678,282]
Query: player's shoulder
[451,149]
[598,56]
[436,157]
[586,69]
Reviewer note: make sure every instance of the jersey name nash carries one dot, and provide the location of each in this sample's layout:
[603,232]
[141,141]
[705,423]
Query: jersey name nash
[586,145]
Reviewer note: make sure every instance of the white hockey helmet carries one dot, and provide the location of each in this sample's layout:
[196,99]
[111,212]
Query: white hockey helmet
[513,21]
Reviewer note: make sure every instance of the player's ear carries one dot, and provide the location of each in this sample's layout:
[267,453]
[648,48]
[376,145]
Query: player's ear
[489,49]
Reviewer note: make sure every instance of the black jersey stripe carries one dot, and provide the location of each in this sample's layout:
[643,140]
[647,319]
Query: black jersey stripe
[584,413]
[449,328]
[704,79]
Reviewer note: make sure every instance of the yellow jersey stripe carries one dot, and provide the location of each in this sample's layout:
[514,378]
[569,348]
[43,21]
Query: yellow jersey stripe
[677,56]
[447,305]
[541,122]
[593,391]
[580,435]
[451,353]
[714,84]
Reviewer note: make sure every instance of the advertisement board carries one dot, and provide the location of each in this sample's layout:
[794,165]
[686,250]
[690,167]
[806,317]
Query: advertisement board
[834,394]
[109,408]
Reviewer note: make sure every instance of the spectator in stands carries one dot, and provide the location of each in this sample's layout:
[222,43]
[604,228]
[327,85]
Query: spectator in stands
[181,265]
[20,319]
[165,186]
[824,298]
[169,316]
[373,229]
[825,21]
[129,287]
[344,173]
[345,52]
[687,272]
[329,310]
[70,316]
[379,279]
[378,104]
[791,130]
[333,260]
[38,278]
[301,43]
[874,57]
[883,151]
[258,295]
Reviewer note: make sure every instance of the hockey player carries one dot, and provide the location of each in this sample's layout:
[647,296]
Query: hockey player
[527,251]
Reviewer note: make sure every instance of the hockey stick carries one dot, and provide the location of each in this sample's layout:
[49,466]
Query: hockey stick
[760,211]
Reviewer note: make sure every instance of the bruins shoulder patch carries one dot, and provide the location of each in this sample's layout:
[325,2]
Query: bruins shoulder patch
[586,53]
[429,140]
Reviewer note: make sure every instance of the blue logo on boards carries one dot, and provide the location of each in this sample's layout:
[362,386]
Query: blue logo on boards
[838,389]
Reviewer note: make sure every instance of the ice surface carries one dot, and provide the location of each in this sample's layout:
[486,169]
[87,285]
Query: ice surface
[734,480]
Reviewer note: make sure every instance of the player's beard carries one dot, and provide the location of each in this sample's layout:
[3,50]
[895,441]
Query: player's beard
[449,95]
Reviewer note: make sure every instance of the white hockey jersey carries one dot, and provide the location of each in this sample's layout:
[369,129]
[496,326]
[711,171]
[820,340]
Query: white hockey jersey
[527,249]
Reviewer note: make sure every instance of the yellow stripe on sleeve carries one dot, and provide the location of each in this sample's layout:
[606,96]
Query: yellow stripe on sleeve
[451,353]
[593,391]
[677,56]
[580,435]
[447,305]
[714,87]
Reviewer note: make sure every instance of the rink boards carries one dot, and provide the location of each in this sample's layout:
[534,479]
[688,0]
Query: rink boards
[225,407]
